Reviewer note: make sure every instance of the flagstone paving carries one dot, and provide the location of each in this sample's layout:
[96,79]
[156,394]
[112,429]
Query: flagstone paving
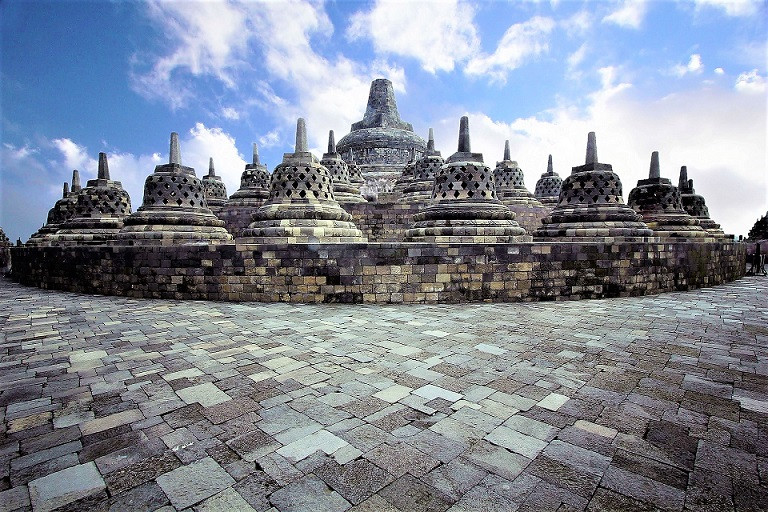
[648,403]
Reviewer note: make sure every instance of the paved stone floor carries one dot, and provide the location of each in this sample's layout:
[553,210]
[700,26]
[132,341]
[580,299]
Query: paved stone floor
[625,404]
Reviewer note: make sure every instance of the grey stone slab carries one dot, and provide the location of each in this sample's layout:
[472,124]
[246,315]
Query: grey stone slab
[643,488]
[66,486]
[191,484]
[356,481]
[409,493]
[308,493]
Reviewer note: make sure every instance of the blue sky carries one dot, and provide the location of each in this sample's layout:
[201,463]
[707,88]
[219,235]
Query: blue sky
[685,78]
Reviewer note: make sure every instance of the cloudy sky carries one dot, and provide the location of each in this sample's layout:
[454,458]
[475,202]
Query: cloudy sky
[685,78]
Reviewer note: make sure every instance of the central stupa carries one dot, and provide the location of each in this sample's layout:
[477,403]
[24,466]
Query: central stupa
[381,142]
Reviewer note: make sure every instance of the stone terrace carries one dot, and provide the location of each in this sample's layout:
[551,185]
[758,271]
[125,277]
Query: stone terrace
[623,404]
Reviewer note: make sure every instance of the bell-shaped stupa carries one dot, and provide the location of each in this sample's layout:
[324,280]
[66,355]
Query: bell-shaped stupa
[659,202]
[61,212]
[101,207]
[301,207]
[424,171]
[406,177]
[591,205]
[253,192]
[174,210]
[214,189]
[381,141]
[695,205]
[343,190]
[510,182]
[355,174]
[548,187]
[464,205]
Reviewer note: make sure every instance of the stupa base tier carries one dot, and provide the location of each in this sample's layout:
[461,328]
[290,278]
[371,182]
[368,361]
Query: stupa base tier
[301,211]
[150,216]
[467,231]
[302,231]
[672,225]
[624,230]
[348,197]
[511,198]
[171,234]
[84,237]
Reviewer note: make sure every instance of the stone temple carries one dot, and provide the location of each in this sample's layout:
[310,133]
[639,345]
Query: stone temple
[381,142]
[451,233]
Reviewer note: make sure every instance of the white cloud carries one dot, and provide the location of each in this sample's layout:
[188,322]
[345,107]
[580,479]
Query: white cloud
[629,14]
[271,139]
[520,42]
[437,34]
[577,57]
[76,157]
[694,66]
[751,82]
[578,24]
[230,113]
[719,71]
[732,7]
[202,143]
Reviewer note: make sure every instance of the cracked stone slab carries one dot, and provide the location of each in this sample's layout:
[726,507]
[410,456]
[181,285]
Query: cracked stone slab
[195,482]
[66,486]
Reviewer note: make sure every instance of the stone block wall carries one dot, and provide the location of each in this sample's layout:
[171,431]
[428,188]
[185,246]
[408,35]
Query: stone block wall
[382,272]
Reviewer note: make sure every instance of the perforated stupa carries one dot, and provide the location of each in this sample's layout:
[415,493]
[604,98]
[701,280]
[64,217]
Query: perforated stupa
[253,192]
[591,205]
[101,207]
[695,205]
[343,190]
[61,212]
[301,207]
[510,182]
[214,189]
[422,184]
[659,202]
[548,187]
[174,210]
[464,205]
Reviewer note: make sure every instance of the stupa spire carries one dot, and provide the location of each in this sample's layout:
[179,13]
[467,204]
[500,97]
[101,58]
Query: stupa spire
[381,110]
[76,187]
[655,171]
[431,141]
[464,144]
[682,183]
[301,136]
[255,160]
[331,142]
[65,192]
[506,151]
[211,169]
[591,149]
[103,167]
[174,153]
[550,169]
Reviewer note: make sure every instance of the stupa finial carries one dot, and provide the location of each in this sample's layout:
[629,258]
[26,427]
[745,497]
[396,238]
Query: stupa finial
[464,145]
[351,156]
[255,154]
[591,149]
[655,171]
[211,169]
[103,167]
[431,141]
[301,136]
[506,151]
[76,181]
[412,154]
[682,183]
[175,152]
[550,169]
[65,193]
[331,142]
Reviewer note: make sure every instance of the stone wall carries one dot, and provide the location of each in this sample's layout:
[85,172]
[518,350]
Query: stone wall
[382,272]
[388,221]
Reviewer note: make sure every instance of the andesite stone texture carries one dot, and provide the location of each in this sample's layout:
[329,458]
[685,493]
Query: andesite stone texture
[5,252]
[548,187]
[381,141]
[253,192]
[301,207]
[174,210]
[61,212]
[422,183]
[695,205]
[355,174]
[464,205]
[659,202]
[343,190]
[214,189]
[591,205]
[510,182]
[101,207]
[405,177]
